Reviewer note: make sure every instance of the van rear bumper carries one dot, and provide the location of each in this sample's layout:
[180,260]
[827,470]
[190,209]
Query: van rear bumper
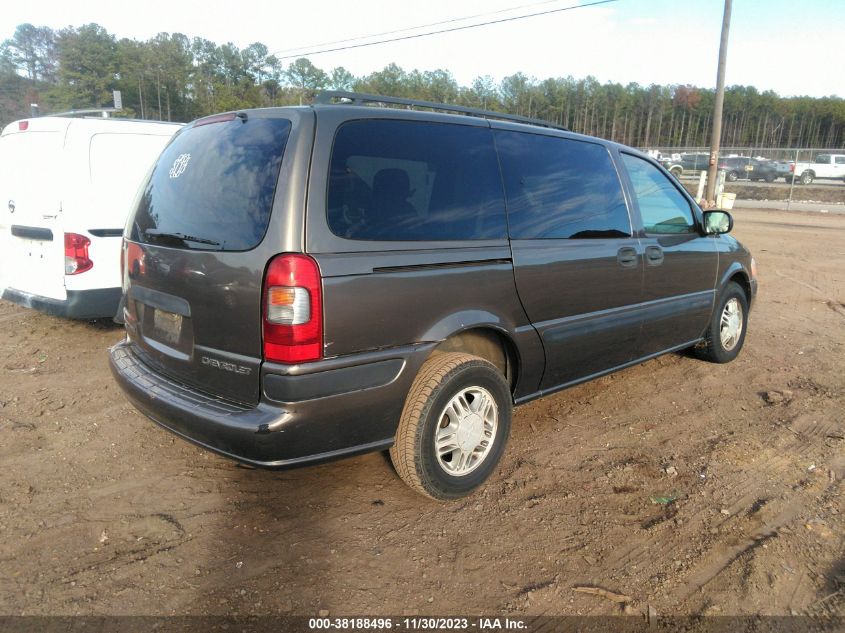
[331,424]
[80,304]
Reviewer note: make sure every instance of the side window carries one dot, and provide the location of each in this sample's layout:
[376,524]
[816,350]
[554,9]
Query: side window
[823,158]
[840,160]
[663,208]
[560,188]
[410,180]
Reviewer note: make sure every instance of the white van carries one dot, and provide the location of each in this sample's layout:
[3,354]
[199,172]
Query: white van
[66,186]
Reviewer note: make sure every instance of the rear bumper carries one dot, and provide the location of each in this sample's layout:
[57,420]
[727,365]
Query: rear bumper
[346,413]
[80,304]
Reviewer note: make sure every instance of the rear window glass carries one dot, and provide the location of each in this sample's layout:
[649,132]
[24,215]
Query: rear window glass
[213,186]
[560,188]
[409,180]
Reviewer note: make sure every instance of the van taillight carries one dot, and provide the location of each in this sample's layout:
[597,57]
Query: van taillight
[293,310]
[76,254]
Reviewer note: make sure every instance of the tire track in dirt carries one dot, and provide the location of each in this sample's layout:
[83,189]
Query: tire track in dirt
[722,557]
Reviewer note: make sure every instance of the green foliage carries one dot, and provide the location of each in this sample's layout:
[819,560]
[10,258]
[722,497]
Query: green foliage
[87,68]
[341,79]
[306,78]
[172,77]
[32,49]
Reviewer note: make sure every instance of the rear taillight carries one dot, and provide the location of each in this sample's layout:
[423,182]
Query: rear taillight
[293,310]
[791,167]
[76,254]
[23,125]
[133,261]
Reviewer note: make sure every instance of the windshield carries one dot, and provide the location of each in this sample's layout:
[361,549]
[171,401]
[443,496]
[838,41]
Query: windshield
[213,186]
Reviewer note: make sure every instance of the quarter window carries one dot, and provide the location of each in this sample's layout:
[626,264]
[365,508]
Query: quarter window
[663,208]
[560,188]
[411,180]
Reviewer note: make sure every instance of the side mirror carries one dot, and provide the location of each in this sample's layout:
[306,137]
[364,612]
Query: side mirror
[717,222]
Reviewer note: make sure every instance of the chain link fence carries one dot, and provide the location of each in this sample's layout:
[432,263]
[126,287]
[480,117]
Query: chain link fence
[780,178]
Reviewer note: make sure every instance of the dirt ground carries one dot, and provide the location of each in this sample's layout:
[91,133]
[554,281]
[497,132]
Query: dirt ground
[825,191]
[690,487]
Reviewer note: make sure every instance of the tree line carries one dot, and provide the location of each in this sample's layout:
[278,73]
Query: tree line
[172,77]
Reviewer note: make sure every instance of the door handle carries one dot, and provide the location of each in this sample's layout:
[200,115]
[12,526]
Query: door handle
[654,255]
[627,256]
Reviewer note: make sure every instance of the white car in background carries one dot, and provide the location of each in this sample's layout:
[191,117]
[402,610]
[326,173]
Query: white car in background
[66,188]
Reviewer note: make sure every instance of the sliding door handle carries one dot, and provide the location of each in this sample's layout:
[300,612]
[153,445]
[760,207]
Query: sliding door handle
[654,255]
[627,256]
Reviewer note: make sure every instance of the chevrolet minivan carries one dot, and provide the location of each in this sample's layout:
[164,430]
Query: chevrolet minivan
[308,283]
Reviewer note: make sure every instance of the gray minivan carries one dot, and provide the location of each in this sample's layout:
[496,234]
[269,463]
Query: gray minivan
[308,283]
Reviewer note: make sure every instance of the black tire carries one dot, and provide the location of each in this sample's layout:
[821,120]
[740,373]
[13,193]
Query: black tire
[732,176]
[770,178]
[414,454]
[711,348]
[676,172]
[806,178]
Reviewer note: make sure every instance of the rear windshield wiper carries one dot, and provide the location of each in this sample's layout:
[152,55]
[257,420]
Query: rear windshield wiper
[182,237]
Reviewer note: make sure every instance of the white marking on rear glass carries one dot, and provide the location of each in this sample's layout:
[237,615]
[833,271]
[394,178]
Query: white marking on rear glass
[179,165]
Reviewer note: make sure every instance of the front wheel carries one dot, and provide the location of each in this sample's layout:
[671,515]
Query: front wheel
[726,333]
[454,426]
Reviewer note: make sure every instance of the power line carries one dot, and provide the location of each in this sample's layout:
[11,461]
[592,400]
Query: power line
[414,28]
[451,30]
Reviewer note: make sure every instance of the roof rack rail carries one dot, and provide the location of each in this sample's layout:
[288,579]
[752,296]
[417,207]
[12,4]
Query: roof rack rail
[103,112]
[328,97]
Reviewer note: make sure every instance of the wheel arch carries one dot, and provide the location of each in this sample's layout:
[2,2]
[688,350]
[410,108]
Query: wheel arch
[740,276]
[487,340]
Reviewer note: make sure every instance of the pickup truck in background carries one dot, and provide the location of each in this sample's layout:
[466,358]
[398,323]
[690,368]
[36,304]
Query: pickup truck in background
[827,166]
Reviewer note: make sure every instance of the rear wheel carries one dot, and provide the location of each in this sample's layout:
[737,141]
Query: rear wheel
[806,178]
[732,176]
[770,178]
[454,426]
[726,334]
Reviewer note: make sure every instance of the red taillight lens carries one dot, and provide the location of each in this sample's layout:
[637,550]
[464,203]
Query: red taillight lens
[293,310]
[23,125]
[134,260]
[791,167]
[76,254]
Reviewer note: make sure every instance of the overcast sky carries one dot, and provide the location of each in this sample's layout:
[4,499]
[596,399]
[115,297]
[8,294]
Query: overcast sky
[793,47]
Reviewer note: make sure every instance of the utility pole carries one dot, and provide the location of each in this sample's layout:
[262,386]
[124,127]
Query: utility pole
[716,138]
